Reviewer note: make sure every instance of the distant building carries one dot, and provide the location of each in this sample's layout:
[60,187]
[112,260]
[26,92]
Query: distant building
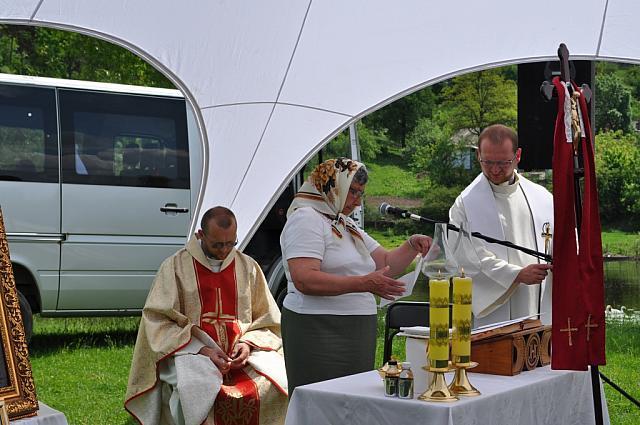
[469,140]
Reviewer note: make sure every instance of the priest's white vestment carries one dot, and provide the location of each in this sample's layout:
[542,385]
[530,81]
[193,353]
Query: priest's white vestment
[515,212]
[192,304]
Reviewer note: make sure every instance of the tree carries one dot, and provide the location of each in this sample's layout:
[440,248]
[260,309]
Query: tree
[370,141]
[617,157]
[480,99]
[61,54]
[433,153]
[400,117]
[612,103]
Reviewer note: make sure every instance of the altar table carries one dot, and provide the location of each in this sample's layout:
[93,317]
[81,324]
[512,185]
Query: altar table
[46,416]
[538,397]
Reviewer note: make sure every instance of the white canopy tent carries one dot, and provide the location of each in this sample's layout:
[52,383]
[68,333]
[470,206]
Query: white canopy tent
[274,81]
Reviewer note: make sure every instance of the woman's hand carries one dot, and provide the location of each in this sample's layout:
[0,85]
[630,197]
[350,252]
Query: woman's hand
[420,243]
[379,284]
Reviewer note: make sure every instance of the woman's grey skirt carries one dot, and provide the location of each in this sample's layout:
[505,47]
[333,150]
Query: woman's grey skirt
[318,347]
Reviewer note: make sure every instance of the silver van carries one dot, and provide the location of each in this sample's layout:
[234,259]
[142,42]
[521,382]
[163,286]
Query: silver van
[98,184]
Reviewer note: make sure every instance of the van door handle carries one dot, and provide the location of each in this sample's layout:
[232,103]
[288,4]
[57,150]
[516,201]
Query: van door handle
[173,209]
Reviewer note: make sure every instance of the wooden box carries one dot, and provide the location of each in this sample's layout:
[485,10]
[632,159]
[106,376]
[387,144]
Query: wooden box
[509,350]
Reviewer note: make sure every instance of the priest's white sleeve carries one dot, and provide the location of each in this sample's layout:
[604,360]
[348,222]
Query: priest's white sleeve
[185,376]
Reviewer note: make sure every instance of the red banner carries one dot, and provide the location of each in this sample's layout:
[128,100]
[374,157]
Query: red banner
[578,335]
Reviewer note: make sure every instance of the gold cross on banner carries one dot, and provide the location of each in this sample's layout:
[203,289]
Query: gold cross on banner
[590,325]
[569,329]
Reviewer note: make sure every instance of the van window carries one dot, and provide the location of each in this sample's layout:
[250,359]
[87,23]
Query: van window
[124,140]
[28,135]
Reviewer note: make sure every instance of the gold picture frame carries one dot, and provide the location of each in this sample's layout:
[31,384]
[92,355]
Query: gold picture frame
[17,389]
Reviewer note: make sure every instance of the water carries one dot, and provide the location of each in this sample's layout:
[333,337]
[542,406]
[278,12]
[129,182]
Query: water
[622,284]
[621,281]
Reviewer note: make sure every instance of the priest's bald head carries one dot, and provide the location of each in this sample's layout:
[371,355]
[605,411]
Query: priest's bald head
[218,232]
[498,153]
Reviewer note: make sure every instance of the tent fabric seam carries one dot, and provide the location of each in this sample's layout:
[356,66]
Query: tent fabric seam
[266,126]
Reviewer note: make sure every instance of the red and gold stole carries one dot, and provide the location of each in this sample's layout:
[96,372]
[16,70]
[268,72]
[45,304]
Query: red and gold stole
[238,401]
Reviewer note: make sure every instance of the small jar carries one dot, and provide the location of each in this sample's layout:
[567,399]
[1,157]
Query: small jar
[405,381]
[391,379]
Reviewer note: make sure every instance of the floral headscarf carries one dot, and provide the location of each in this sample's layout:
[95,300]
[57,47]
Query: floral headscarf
[326,192]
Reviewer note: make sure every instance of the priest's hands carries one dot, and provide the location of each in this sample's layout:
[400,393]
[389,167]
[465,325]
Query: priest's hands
[379,284]
[239,355]
[533,274]
[218,357]
[224,363]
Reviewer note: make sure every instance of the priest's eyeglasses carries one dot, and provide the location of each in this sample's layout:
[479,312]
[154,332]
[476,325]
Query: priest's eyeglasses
[499,164]
[220,245]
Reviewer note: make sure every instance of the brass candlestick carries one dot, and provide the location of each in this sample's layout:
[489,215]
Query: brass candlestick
[461,385]
[438,390]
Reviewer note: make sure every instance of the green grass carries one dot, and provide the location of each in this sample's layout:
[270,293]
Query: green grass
[81,366]
[393,179]
[623,368]
[387,238]
[617,242]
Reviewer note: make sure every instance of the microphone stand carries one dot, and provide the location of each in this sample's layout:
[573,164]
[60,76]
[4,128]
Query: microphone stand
[534,253]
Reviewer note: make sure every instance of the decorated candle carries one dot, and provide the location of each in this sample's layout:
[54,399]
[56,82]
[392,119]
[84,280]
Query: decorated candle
[461,340]
[439,322]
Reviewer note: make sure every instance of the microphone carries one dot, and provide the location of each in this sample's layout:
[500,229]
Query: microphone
[385,209]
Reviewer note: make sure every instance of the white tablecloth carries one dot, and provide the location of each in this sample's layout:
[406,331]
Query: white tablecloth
[46,416]
[538,397]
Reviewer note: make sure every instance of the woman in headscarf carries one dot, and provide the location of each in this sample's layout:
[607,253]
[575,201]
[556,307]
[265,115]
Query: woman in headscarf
[334,270]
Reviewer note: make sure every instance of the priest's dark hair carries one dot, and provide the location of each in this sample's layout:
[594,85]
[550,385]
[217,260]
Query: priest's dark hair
[496,134]
[223,217]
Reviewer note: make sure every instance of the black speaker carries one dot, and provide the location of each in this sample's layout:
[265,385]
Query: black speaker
[537,117]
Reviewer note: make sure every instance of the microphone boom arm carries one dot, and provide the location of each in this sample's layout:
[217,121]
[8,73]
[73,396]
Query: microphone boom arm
[386,209]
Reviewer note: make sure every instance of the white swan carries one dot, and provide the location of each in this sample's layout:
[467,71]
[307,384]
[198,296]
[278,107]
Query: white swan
[614,313]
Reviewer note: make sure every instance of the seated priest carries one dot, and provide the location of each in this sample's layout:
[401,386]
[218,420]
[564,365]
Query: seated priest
[505,205]
[209,348]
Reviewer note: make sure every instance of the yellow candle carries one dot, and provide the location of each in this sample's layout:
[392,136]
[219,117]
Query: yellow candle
[439,322]
[461,341]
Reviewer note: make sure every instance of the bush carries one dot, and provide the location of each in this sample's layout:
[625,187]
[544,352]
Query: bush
[438,200]
[613,111]
[617,156]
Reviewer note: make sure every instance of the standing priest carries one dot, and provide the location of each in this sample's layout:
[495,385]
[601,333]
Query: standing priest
[209,348]
[504,205]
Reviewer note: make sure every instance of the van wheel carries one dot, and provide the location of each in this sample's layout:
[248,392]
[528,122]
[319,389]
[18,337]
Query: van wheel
[27,316]
[282,292]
